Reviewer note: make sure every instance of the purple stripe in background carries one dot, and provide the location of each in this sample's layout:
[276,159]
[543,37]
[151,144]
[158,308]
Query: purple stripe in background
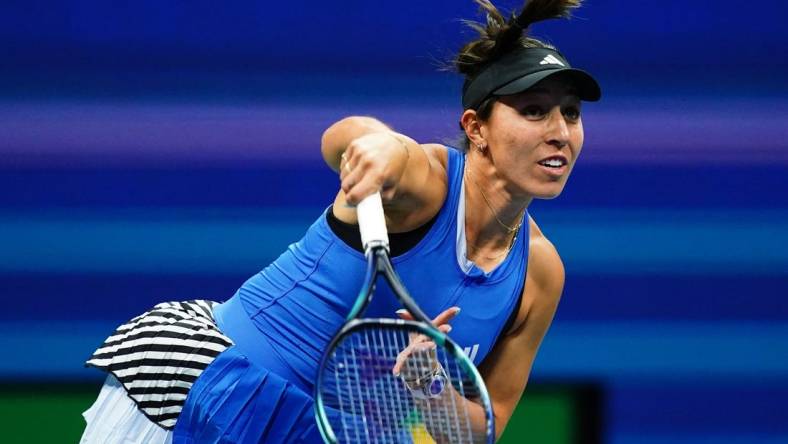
[725,131]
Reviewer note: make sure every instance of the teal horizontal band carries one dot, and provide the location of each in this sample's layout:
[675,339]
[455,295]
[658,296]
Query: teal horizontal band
[618,351]
[637,350]
[142,241]
[645,241]
[243,241]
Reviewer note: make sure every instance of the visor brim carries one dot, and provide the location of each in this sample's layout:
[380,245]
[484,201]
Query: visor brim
[587,87]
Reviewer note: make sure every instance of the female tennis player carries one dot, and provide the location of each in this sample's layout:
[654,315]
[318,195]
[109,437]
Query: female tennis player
[461,240]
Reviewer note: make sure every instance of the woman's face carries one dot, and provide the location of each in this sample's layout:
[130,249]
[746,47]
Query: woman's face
[535,137]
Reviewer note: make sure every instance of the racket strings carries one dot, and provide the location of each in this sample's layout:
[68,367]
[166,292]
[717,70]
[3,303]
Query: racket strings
[366,403]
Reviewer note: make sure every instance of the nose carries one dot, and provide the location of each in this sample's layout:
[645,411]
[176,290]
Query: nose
[557,131]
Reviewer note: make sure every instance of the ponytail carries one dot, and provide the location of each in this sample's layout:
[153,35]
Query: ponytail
[499,35]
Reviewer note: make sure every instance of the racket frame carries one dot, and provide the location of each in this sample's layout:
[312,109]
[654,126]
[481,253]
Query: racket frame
[379,263]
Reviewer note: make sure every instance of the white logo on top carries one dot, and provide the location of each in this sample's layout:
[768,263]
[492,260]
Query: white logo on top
[551,60]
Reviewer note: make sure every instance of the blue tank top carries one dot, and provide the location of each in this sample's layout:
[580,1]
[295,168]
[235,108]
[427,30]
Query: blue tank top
[301,300]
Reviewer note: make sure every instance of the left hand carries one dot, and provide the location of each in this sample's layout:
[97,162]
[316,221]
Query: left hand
[411,361]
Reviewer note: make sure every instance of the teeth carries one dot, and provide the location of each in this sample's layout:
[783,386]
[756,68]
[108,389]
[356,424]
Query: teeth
[555,163]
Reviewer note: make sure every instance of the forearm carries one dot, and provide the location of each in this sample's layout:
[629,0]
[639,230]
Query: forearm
[450,405]
[339,135]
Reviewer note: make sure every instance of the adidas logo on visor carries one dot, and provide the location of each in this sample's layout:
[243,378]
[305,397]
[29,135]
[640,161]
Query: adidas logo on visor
[551,60]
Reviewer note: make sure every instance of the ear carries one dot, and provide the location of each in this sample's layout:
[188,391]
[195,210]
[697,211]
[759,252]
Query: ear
[473,129]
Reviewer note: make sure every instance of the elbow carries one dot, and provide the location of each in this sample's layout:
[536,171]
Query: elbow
[338,136]
[331,158]
[330,146]
[501,420]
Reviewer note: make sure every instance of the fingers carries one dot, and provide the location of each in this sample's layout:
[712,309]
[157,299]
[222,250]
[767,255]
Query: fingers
[352,171]
[344,165]
[359,179]
[440,322]
[415,360]
[404,314]
[346,171]
[444,317]
[359,184]
[371,163]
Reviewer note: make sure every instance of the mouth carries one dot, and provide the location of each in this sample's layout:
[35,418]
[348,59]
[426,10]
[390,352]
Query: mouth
[556,162]
[555,166]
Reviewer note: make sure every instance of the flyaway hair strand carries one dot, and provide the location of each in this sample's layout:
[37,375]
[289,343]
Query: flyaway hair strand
[499,35]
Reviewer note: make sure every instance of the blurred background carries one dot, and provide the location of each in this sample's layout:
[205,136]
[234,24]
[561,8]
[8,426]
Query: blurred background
[154,151]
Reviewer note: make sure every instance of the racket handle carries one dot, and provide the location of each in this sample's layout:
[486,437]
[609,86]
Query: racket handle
[372,223]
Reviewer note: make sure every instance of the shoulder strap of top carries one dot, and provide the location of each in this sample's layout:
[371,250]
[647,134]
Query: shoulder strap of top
[454,171]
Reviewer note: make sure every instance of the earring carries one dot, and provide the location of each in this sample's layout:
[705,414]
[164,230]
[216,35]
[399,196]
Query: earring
[480,147]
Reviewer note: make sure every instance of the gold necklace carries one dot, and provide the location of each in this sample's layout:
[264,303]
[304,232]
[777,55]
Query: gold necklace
[498,256]
[509,230]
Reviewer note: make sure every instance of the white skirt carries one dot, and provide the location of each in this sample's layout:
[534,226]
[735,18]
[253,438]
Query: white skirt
[115,418]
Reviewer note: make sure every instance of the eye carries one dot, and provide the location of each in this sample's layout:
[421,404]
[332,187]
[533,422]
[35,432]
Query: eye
[533,112]
[572,113]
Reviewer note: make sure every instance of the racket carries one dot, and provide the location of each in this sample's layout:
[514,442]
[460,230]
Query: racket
[437,396]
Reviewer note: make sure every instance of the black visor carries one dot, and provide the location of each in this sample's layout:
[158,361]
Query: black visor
[522,69]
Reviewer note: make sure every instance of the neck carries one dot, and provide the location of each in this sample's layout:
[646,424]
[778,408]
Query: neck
[493,213]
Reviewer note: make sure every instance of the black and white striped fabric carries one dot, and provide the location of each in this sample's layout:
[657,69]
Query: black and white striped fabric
[158,355]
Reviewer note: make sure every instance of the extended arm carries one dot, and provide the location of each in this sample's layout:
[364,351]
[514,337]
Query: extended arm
[507,368]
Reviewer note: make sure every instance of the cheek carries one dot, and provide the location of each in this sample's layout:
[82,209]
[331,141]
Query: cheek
[516,139]
[576,139]
[522,138]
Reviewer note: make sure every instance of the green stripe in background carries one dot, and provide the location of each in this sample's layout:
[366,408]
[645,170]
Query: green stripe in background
[546,415]
[51,413]
[211,240]
[44,413]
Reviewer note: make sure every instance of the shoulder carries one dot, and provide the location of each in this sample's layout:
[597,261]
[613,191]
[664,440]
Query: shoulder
[438,155]
[544,280]
[426,194]
[544,262]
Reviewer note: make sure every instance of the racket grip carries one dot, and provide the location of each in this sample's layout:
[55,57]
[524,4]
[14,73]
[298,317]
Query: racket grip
[372,222]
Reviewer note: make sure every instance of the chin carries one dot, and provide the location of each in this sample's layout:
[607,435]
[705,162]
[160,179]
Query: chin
[547,196]
[548,192]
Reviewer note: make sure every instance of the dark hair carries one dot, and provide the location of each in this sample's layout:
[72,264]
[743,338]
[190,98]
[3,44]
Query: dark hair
[499,36]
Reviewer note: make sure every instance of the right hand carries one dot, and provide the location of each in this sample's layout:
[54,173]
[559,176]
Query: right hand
[371,163]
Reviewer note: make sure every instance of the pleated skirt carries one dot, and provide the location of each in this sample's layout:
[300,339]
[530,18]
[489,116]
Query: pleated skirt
[193,382]
[236,401]
[115,418]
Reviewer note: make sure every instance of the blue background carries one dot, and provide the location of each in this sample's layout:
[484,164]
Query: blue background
[154,151]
